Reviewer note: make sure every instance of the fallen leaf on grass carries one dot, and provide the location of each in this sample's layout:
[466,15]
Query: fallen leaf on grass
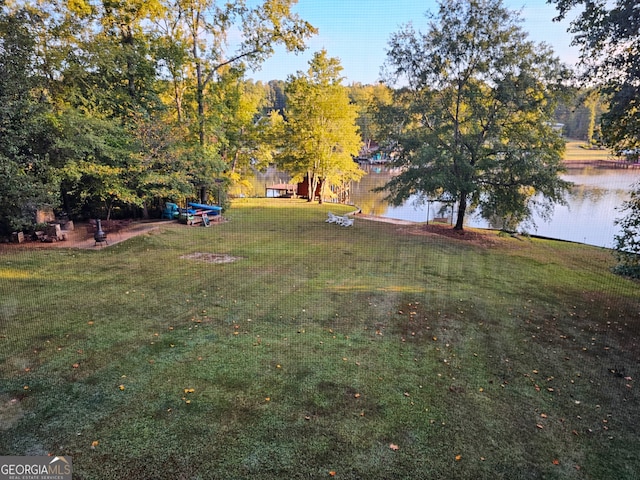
[539,426]
[189,390]
[458,458]
[76,365]
[394,447]
[556,461]
[332,473]
[121,387]
[95,443]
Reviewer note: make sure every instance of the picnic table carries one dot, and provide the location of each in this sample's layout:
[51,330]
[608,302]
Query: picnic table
[198,213]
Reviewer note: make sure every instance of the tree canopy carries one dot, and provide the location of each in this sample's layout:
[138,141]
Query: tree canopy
[26,127]
[320,132]
[111,105]
[608,34]
[474,117]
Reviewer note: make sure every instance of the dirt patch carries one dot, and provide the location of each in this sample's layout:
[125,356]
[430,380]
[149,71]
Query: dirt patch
[484,238]
[81,237]
[212,257]
[472,236]
[10,412]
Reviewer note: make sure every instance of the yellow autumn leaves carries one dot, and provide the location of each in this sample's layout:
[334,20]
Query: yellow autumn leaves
[187,391]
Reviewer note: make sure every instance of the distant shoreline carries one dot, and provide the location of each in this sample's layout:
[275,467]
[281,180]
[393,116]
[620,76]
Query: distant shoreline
[612,164]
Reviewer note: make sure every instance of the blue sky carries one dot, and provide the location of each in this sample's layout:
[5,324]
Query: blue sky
[357,32]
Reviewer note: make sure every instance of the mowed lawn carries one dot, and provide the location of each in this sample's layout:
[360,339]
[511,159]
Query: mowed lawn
[576,151]
[368,352]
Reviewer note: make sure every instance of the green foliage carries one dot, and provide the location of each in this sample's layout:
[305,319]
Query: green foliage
[26,128]
[607,33]
[212,104]
[95,154]
[475,123]
[276,99]
[127,104]
[320,132]
[370,99]
[580,115]
[627,242]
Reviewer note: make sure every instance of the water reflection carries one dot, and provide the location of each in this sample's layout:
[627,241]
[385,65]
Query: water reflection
[588,217]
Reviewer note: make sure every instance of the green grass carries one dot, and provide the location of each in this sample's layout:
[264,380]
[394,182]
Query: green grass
[317,350]
[577,151]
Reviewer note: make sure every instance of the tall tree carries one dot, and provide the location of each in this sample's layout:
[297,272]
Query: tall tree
[112,66]
[26,127]
[198,54]
[608,33]
[321,136]
[478,125]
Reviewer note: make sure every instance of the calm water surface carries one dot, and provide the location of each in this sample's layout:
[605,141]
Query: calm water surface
[588,217]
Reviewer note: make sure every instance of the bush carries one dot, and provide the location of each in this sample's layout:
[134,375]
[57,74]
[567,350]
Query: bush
[627,243]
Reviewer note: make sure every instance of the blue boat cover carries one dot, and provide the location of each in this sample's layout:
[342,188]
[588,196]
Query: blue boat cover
[212,208]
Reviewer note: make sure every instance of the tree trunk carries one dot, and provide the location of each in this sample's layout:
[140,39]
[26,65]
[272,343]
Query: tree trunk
[178,100]
[200,101]
[204,195]
[128,45]
[200,83]
[462,208]
[109,208]
[313,184]
[322,192]
[234,163]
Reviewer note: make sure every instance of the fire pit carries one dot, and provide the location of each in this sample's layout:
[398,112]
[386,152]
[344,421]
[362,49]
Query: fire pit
[100,235]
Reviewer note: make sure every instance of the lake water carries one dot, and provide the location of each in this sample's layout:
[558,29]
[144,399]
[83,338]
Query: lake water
[588,217]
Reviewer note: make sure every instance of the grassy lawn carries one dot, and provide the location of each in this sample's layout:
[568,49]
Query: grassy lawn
[576,152]
[354,353]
